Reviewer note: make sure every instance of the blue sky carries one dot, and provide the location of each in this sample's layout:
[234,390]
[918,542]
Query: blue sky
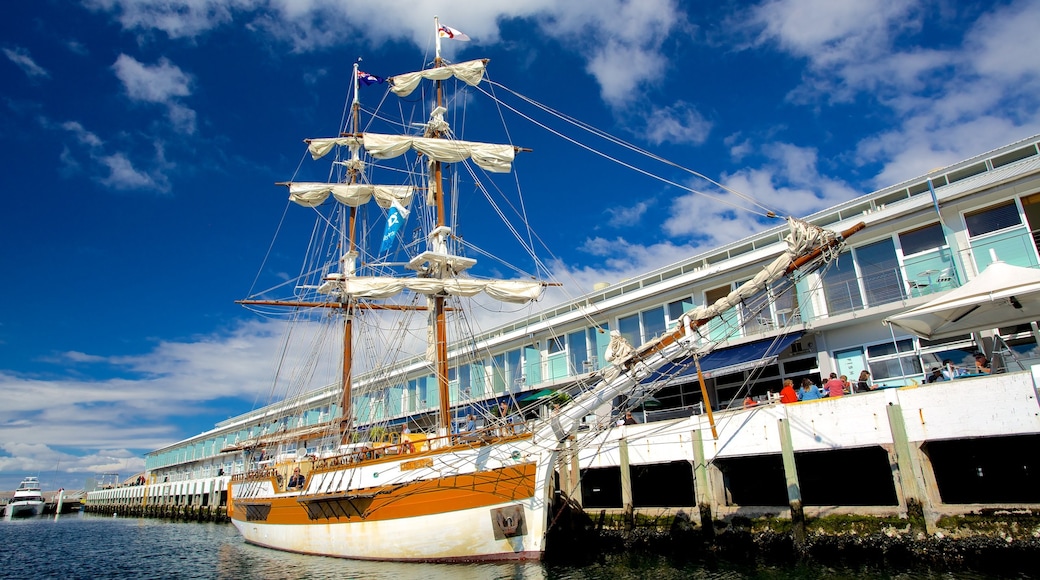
[141,140]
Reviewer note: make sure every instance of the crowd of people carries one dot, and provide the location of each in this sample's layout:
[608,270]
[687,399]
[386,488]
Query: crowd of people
[837,386]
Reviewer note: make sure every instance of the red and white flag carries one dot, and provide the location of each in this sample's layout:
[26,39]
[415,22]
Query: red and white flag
[449,32]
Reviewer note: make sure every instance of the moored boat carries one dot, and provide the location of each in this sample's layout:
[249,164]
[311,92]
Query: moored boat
[482,492]
[27,500]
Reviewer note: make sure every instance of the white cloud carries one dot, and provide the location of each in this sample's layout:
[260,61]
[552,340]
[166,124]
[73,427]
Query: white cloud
[123,175]
[21,58]
[972,94]
[618,259]
[789,182]
[679,122]
[626,217]
[620,39]
[163,83]
[116,169]
[94,421]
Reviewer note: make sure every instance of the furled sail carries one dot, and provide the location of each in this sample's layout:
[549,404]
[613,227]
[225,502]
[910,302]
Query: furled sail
[470,72]
[310,194]
[491,157]
[377,287]
[802,237]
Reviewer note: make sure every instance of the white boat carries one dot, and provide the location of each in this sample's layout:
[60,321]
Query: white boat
[371,490]
[27,500]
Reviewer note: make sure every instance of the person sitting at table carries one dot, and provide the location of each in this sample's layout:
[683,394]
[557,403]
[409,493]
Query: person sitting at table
[936,376]
[863,383]
[982,364]
[809,391]
[949,371]
[788,394]
[833,387]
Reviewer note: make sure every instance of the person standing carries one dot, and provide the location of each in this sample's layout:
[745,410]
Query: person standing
[297,480]
[787,393]
[834,387]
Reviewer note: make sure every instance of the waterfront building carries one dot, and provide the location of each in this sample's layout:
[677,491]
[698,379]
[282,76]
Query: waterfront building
[924,237]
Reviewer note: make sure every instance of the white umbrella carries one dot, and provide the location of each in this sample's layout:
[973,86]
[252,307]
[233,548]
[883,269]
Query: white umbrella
[1002,295]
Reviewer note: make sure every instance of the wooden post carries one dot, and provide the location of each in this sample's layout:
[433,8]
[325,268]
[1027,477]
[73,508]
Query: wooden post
[910,474]
[702,486]
[794,491]
[575,471]
[626,485]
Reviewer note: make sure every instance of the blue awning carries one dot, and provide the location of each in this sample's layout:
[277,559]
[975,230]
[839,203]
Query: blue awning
[534,395]
[730,360]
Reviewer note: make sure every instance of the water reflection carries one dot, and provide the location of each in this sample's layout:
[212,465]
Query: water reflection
[84,546]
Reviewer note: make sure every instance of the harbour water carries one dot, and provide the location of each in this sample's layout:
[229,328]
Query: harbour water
[86,546]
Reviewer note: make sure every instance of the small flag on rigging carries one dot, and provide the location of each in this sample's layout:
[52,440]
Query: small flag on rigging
[369,79]
[395,218]
[449,32]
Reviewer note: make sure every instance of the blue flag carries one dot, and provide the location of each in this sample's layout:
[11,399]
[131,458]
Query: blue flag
[395,218]
[369,79]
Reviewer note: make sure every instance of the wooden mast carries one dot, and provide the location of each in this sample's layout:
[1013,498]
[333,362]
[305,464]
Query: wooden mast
[347,269]
[440,323]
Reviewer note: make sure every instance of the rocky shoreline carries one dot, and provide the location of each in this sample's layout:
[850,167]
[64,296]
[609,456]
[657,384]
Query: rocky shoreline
[992,546]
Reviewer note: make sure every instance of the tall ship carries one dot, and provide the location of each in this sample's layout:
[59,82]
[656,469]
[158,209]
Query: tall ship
[473,482]
[27,500]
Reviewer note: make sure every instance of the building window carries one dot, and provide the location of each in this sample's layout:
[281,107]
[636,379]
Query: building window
[841,287]
[992,219]
[629,328]
[882,281]
[726,324]
[555,344]
[922,239]
[677,308]
[998,231]
[579,351]
[653,322]
[893,365]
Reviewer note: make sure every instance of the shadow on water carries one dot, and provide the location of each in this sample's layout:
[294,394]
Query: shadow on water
[84,546]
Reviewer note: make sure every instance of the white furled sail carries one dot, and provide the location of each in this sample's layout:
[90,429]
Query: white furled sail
[377,287]
[311,194]
[470,72]
[319,148]
[489,156]
[802,237]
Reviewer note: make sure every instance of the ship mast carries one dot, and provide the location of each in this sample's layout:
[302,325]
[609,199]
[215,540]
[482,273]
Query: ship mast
[347,268]
[440,325]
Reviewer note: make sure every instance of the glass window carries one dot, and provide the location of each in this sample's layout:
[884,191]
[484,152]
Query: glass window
[921,240]
[676,309]
[880,269]
[629,328]
[887,348]
[579,350]
[798,366]
[992,219]
[555,344]
[841,287]
[653,322]
[756,313]
[894,364]
[785,302]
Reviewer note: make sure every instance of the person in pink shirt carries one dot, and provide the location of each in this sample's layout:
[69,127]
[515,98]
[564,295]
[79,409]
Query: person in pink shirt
[834,386]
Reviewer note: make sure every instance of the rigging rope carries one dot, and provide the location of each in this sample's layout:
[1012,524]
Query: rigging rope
[766,212]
